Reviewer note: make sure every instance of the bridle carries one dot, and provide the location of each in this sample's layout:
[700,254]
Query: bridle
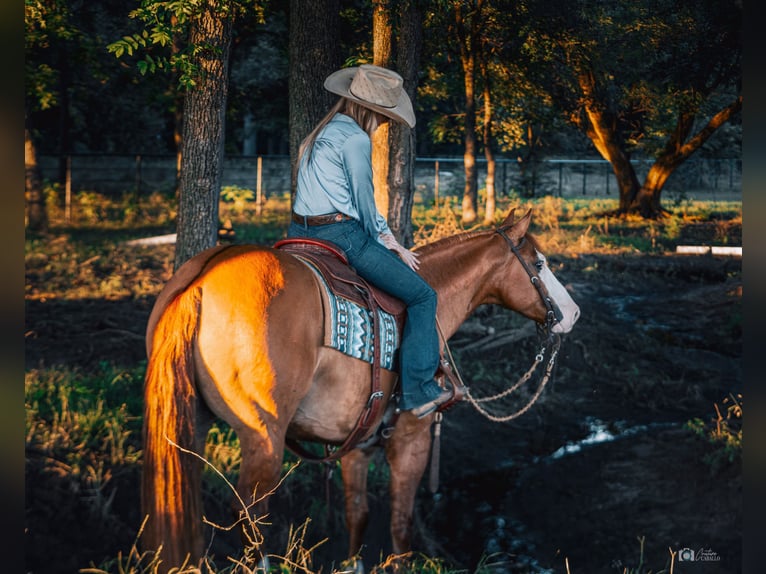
[549,346]
[554,314]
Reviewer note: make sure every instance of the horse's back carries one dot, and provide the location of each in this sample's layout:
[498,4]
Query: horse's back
[218,264]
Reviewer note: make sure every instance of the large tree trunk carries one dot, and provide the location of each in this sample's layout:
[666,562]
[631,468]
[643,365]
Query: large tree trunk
[203,135]
[465,26]
[381,145]
[314,55]
[601,128]
[36,215]
[401,179]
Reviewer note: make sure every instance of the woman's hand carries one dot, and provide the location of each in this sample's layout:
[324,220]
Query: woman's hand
[409,258]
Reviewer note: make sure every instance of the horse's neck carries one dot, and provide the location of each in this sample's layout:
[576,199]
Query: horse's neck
[460,273]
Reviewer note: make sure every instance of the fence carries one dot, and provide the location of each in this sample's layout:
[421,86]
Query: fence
[434,177]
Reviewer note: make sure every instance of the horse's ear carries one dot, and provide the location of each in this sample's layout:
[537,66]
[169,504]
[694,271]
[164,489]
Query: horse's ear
[508,222]
[519,228]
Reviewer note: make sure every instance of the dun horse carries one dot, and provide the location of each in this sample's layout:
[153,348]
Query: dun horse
[238,333]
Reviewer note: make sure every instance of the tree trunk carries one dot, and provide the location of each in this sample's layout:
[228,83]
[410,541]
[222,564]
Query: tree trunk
[36,215]
[466,35]
[489,213]
[381,144]
[600,127]
[203,135]
[178,112]
[314,55]
[401,179]
[65,110]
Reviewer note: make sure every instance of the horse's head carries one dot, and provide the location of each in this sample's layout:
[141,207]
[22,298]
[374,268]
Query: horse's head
[547,301]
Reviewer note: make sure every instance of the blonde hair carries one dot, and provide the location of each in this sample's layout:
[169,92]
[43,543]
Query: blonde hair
[367,119]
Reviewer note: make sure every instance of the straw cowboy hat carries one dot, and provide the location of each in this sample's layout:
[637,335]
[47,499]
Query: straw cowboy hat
[377,88]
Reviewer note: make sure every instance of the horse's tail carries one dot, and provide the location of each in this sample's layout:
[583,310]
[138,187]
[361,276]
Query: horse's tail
[171,496]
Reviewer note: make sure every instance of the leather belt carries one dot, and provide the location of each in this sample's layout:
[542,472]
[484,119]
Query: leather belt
[320,219]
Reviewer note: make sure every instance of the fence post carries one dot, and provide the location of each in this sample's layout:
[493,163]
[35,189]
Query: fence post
[258,186]
[584,177]
[606,172]
[436,184]
[68,191]
[561,177]
[138,176]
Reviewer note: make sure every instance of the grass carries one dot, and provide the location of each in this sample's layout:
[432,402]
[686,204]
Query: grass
[85,426]
[723,433]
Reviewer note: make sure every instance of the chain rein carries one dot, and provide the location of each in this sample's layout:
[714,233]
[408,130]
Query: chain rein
[549,347]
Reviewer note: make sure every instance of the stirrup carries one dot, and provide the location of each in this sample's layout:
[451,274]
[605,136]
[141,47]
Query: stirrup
[437,404]
[450,382]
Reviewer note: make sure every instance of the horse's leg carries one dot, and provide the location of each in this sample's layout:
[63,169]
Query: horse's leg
[354,468]
[259,474]
[407,455]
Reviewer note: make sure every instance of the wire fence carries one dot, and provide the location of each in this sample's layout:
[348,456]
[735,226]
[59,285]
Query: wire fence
[435,177]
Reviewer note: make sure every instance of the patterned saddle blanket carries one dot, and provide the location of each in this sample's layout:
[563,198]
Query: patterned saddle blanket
[347,298]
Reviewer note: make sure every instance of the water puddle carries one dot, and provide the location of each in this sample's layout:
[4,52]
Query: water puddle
[601,432]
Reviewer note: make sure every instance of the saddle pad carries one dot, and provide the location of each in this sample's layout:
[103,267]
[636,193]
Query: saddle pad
[349,326]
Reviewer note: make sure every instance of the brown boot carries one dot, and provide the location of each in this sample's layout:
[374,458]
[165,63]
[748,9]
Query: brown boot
[434,404]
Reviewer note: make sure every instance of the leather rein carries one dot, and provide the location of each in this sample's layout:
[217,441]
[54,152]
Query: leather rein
[550,344]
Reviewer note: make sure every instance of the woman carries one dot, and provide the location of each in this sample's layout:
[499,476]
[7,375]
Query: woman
[335,201]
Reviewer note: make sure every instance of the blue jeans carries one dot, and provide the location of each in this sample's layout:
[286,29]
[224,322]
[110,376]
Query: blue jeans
[419,348]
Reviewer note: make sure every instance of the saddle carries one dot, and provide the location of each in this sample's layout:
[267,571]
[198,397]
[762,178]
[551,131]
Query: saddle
[340,276]
[331,263]
[333,266]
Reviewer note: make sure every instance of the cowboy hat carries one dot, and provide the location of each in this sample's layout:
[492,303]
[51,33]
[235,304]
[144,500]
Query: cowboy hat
[376,88]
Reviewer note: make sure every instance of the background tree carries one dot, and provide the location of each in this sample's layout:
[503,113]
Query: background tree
[382,55]
[258,111]
[203,131]
[468,15]
[653,77]
[397,37]
[202,68]
[44,25]
[401,174]
[314,55]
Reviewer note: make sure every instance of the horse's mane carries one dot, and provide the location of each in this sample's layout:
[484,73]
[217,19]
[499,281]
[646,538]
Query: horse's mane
[466,236]
[450,240]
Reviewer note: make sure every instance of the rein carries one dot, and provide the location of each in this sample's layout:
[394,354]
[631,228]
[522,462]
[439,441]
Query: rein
[550,347]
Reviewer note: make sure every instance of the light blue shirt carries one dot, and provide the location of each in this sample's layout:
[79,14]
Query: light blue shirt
[338,176]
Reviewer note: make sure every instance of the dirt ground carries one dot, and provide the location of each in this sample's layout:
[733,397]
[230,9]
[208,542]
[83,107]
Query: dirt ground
[599,463]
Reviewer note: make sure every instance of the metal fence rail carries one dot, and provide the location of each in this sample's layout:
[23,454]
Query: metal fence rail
[434,176]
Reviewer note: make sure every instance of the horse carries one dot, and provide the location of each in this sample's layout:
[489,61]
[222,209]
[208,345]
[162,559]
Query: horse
[237,334]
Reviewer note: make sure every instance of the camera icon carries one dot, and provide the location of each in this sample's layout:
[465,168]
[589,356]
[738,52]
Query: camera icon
[686,555]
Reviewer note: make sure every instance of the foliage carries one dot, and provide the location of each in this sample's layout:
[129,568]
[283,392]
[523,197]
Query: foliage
[723,433]
[45,23]
[80,418]
[167,22]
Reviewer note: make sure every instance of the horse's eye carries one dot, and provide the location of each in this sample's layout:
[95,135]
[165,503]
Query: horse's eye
[539,264]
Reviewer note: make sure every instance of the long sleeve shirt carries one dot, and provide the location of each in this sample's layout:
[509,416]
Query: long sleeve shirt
[337,176]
